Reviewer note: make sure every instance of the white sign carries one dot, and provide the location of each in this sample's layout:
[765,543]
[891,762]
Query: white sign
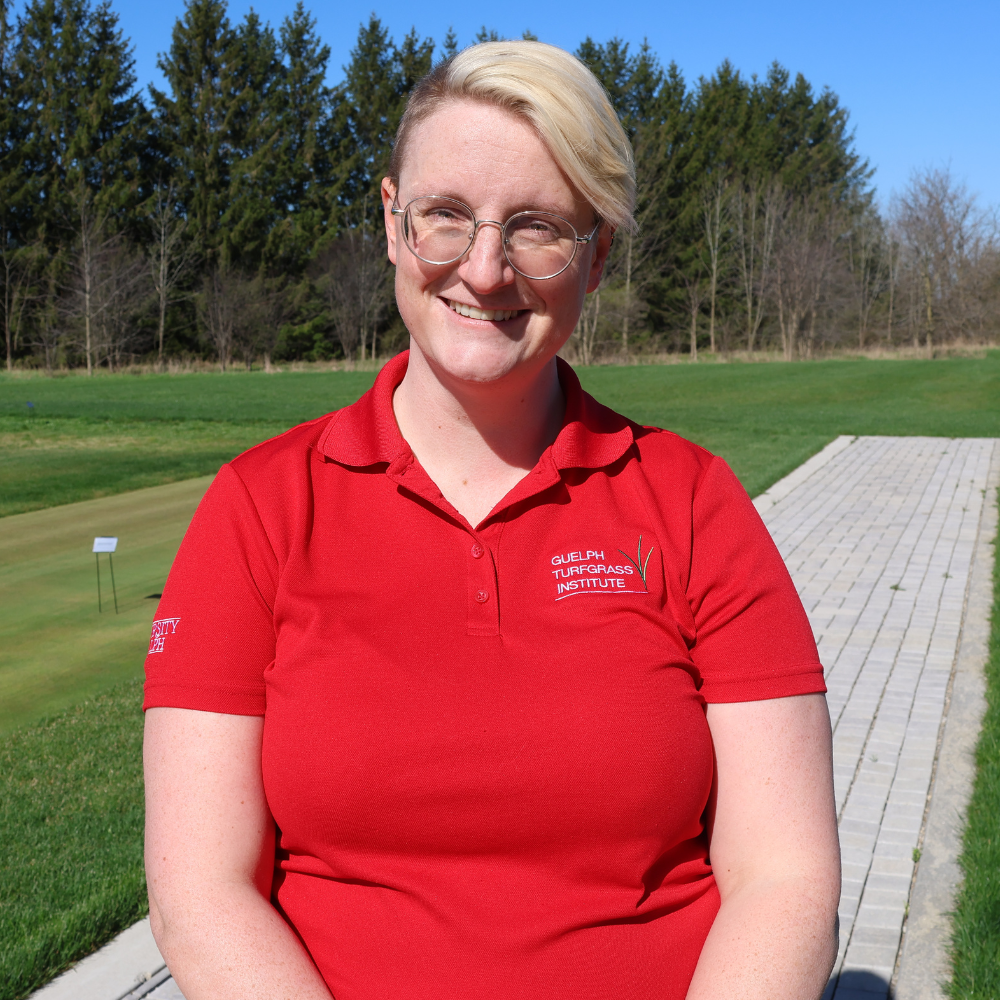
[105,543]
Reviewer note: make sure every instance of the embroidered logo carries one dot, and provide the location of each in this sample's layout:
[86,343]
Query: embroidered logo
[586,571]
[638,562]
[161,629]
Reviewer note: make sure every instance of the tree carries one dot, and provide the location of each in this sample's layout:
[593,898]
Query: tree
[377,81]
[714,216]
[218,310]
[806,231]
[196,121]
[755,213]
[170,258]
[950,248]
[18,267]
[868,263]
[356,280]
[307,147]
[86,126]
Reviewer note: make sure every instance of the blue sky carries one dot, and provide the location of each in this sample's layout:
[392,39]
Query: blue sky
[921,79]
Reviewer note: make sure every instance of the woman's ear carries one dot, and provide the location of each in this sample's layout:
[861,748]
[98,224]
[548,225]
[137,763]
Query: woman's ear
[388,197]
[605,238]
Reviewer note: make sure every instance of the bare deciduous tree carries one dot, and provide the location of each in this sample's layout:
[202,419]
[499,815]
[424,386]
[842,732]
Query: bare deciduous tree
[18,266]
[805,235]
[170,259]
[356,280]
[869,262]
[755,210]
[714,204]
[218,307]
[950,249]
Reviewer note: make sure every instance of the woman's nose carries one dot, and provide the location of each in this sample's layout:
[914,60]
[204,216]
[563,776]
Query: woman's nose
[485,267]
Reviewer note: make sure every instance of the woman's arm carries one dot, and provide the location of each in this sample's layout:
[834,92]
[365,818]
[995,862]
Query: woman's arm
[209,862]
[774,851]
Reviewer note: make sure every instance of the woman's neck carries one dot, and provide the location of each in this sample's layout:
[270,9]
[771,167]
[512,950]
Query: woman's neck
[476,441]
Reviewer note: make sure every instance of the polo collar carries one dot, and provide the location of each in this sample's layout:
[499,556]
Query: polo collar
[365,433]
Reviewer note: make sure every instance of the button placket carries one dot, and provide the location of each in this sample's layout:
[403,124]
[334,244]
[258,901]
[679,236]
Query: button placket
[483,612]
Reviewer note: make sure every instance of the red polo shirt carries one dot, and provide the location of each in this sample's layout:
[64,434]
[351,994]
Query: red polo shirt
[485,746]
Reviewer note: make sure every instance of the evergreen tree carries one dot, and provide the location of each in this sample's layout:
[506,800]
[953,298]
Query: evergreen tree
[307,145]
[378,80]
[197,120]
[249,210]
[84,127]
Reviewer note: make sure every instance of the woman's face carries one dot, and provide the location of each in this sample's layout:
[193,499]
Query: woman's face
[496,164]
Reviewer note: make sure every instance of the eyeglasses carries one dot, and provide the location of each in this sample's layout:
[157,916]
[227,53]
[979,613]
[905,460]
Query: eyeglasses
[439,230]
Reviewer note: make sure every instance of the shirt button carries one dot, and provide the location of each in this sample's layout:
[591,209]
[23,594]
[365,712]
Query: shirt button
[477,551]
[482,596]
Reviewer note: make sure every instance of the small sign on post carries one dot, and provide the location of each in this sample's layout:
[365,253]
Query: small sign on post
[105,543]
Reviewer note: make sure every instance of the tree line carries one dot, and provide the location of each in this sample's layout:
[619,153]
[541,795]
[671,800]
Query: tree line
[235,214]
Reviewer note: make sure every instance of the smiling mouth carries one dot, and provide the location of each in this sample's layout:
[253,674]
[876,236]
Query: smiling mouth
[473,312]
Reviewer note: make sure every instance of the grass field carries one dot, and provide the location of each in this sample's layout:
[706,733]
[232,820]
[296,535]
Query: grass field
[70,794]
[976,927]
[71,832]
[57,647]
[98,436]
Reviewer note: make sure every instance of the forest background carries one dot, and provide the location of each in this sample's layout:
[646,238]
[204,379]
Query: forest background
[234,216]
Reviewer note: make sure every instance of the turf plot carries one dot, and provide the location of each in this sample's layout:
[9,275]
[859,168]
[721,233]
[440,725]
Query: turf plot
[57,647]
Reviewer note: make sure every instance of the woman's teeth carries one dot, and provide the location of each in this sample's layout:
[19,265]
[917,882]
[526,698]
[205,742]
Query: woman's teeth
[488,314]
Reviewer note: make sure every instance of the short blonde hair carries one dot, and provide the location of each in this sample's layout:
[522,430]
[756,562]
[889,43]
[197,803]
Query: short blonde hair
[562,100]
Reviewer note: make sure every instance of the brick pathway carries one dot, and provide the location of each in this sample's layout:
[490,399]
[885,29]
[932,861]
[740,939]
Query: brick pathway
[878,534]
[879,541]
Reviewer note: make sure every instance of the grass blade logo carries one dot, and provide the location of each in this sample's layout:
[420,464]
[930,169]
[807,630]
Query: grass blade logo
[639,563]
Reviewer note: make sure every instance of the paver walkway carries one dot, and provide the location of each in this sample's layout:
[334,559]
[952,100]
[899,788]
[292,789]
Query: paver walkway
[879,541]
[879,535]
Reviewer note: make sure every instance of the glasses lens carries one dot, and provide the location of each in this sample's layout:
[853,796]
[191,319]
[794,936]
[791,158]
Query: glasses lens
[438,230]
[540,245]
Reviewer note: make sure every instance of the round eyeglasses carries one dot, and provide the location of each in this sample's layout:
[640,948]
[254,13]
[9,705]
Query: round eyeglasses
[439,230]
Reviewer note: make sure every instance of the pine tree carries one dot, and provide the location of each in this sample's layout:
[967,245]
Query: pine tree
[307,146]
[378,80]
[249,210]
[196,120]
[85,124]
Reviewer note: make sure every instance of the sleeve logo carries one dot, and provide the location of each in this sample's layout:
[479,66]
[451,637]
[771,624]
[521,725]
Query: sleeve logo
[161,629]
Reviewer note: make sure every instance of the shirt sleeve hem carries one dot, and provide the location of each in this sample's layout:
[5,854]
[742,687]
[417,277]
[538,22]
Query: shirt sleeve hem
[204,699]
[806,681]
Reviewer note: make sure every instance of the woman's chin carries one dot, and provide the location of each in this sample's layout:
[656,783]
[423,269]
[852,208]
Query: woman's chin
[484,360]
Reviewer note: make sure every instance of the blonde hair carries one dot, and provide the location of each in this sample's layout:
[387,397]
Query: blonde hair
[555,93]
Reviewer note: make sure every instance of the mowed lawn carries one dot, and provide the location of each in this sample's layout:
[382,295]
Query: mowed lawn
[58,648]
[70,784]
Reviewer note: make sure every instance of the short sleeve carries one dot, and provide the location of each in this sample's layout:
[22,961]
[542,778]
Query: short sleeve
[213,636]
[753,640]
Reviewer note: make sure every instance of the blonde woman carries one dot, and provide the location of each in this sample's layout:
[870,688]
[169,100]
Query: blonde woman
[476,689]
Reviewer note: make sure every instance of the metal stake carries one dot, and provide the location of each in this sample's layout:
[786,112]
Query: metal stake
[97,559]
[114,590]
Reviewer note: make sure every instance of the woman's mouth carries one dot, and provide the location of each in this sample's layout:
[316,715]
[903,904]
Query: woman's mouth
[474,312]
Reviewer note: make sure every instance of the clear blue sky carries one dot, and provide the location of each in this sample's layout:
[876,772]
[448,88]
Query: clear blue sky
[920,78]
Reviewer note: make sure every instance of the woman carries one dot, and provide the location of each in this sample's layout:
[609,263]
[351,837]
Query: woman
[475,688]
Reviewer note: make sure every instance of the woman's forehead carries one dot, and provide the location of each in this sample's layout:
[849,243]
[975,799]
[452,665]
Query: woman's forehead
[474,151]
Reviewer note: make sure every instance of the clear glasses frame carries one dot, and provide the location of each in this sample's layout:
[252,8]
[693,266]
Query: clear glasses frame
[503,227]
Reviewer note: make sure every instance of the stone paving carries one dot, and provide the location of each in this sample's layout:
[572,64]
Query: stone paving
[879,540]
[878,534]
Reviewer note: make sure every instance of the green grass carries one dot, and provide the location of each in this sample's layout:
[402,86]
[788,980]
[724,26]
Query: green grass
[765,419]
[61,460]
[71,817]
[56,647]
[976,923]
